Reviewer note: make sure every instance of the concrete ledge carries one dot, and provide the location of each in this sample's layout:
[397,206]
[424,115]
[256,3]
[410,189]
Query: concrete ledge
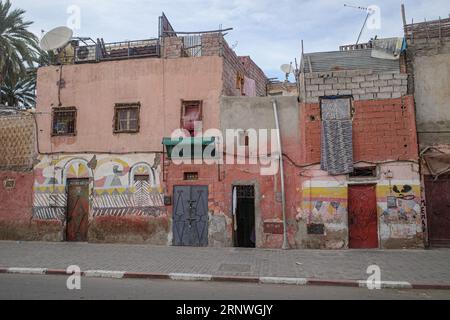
[243,279]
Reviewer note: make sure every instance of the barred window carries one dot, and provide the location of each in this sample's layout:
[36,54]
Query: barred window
[126,118]
[64,121]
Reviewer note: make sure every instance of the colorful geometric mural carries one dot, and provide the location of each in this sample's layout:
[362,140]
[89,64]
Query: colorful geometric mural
[325,201]
[113,187]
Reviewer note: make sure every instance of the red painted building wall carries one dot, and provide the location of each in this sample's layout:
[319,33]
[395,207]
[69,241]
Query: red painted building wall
[382,130]
[15,203]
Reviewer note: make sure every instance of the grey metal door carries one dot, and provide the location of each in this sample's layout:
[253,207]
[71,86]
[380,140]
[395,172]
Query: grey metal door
[190,216]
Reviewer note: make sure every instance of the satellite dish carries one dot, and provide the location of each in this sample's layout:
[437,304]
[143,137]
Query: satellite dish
[56,39]
[287,68]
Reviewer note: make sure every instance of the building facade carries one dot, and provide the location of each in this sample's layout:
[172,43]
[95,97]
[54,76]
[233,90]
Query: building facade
[116,125]
[102,173]
[358,104]
[428,66]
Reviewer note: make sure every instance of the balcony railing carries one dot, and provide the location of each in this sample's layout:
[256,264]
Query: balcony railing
[101,51]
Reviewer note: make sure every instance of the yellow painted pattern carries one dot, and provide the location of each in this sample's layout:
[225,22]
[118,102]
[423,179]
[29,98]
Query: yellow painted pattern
[110,191]
[342,192]
[49,189]
[316,192]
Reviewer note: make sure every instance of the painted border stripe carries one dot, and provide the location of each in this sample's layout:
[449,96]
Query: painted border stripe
[135,275]
[57,272]
[27,270]
[431,286]
[104,274]
[389,284]
[275,280]
[190,277]
[207,277]
[339,283]
[235,279]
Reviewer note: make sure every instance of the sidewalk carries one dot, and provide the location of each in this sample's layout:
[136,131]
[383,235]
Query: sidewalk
[419,267]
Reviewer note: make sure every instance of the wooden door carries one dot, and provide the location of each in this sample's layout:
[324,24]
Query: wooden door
[77,209]
[362,217]
[438,210]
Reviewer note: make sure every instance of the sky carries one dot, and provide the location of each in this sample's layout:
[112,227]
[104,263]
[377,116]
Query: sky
[270,31]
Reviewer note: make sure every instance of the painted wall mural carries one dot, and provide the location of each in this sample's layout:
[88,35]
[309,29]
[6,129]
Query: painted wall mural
[119,185]
[325,201]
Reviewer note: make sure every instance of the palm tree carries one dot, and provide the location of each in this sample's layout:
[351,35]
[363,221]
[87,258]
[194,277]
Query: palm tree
[19,93]
[18,46]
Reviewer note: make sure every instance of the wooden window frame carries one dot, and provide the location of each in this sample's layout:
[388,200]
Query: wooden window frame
[56,110]
[183,109]
[122,106]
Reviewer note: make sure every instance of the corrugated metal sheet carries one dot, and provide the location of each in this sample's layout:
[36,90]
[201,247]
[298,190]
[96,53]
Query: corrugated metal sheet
[348,60]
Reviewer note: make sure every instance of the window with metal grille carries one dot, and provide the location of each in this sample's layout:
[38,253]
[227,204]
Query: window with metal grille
[190,176]
[64,121]
[364,172]
[191,112]
[126,118]
[245,192]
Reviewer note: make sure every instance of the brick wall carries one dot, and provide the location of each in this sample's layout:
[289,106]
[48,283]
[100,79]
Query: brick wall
[382,130]
[244,65]
[362,84]
[172,47]
[254,72]
[231,66]
[212,44]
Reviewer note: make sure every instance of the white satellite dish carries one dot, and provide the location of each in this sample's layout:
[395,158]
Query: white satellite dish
[56,39]
[287,68]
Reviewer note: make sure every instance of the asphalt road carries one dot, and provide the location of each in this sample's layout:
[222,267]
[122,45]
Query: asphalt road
[38,287]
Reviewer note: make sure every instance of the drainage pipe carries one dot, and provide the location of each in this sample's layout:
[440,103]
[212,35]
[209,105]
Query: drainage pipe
[280,155]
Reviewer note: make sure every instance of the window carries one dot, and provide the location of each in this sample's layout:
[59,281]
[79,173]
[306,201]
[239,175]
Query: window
[190,176]
[364,172]
[64,121]
[191,112]
[126,118]
[9,184]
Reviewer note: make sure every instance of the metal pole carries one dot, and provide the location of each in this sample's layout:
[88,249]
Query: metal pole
[283,196]
[362,29]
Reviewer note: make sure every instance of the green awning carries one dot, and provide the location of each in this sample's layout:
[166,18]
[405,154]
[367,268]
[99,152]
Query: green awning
[188,141]
[203,141]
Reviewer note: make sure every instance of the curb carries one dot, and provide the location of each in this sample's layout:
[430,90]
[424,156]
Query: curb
[206,277]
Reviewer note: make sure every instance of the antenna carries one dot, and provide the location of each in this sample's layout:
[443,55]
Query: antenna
[365,21]
[56,39]
[287,69]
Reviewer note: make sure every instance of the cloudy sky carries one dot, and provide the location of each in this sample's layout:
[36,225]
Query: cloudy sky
[267,30]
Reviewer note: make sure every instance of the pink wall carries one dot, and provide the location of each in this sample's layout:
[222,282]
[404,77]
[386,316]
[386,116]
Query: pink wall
[16,203]
[158,84]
